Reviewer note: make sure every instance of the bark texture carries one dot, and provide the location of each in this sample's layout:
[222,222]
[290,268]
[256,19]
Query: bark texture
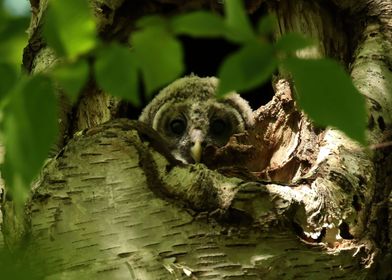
[283,201]
[111,207]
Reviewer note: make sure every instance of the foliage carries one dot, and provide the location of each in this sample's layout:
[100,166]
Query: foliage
[13,39]
[119,60]
[70,27]
[30,124]
[325,92]
[159,63]
[14,266]
[336,103]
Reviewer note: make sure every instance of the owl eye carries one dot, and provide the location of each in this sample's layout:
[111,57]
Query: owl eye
[218,127]
[178,126]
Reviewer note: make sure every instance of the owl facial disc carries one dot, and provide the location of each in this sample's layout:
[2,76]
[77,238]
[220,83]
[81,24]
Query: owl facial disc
[189,117]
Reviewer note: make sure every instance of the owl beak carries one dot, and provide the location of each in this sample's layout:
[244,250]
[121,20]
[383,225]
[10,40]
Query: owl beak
[196,149]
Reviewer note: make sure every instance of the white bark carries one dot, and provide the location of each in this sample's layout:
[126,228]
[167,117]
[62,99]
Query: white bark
[98,212]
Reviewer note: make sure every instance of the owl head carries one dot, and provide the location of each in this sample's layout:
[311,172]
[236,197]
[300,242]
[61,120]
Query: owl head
[187,114]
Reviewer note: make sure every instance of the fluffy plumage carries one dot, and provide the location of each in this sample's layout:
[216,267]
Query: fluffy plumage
[187,114]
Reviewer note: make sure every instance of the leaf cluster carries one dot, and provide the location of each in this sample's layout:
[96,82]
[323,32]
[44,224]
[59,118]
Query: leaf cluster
[28,123]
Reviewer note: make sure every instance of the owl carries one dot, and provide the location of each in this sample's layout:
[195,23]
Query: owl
[187,114]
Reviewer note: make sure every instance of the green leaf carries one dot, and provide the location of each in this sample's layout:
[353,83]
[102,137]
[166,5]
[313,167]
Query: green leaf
[238,22]
[70,27]
[8,78]
[159,56]
[29,130]
[267,24]
[3,14]
[14,26]
[13,38]
[15,265]
[71,77]
[116,72]
[247,68]
[151,21]
[291,42]
[327,94]
[199,24]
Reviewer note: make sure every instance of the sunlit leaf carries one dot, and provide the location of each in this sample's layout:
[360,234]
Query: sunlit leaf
[291,42]
[267,24]
[116,72]
[247,68]
[29,130]
[8,78]
[199,24]
[159,56]
[71,77]
[70,27]
[238,21]
[327,94]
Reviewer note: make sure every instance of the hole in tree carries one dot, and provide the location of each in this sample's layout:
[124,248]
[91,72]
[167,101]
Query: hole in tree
[344,231]
[381,123]
[106,10]
[203,58]
[356,204]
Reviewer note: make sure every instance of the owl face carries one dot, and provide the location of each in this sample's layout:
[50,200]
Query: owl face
[189,117]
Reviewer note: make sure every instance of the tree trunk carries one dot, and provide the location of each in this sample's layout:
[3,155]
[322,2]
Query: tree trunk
[285,200]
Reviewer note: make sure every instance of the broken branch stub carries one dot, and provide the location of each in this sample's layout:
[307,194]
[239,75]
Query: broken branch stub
[320,169]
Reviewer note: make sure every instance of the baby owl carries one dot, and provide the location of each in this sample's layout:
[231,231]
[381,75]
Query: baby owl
[187,114]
